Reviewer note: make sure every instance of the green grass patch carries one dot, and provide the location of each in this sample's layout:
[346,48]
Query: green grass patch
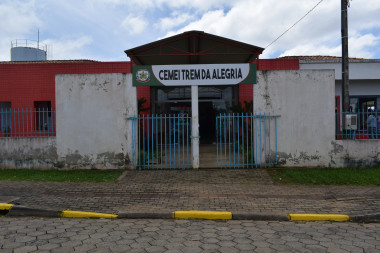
[60,175]
[327,176]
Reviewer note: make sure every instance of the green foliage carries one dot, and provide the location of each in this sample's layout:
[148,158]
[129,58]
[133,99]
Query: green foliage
[59,175]
[7,130]
[327,176]
[140,105]
[247,152]
[238,108]
[144,156]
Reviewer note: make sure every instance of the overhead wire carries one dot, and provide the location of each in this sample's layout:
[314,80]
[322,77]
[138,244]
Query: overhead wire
[315,6]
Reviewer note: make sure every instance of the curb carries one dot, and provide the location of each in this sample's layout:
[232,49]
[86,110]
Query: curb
[318,217]
[80,214]
[369,218]
[15,210]
[207,215]
[135,215]
[259,217]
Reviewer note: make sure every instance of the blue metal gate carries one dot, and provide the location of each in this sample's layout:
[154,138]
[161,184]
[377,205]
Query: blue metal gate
[246,140]
[161,141]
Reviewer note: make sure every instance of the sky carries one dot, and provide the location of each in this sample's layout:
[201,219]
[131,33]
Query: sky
[102,29]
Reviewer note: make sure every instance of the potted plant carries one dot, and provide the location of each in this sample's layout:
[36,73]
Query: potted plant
[7,131]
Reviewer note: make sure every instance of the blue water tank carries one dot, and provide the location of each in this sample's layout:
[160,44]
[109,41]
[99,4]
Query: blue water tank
[25,52]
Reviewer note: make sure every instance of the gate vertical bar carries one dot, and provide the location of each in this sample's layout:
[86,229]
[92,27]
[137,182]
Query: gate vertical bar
[225,141]
[252,146]
[166,146]
[217,140]
[179,143]
[269,141]
[174,139]
[233,137]
[170,141]
[229,140]
[265,142]
[246,136]
[260,141]
[143,140]
[183,141]
[275,122]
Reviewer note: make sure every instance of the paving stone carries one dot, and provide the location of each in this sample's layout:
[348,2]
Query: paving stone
[85,247]
[155,249]
[25,238]
[191,250]
[245,247]
[209,246]
[48,246]
[6,244]
[248,191]
[62,250]
[25,249]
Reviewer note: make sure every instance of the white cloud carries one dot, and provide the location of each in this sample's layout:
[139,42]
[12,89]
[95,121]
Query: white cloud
[116,25]
[17,20]
[201,5]
[176,20]
[313,49]
[134,24]
[68,49]
[362,46]
[260,22]
[206,23]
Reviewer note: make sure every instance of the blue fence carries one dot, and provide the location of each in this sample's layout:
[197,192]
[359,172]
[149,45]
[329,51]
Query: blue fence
[27,122]
[357,125]
[246,140]
[161,141]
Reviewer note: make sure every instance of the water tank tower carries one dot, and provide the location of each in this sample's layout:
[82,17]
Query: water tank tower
[28,50]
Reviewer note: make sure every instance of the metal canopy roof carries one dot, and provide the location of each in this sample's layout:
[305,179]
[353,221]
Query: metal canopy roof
[194,47]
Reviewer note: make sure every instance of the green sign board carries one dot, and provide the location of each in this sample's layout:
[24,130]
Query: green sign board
[199,74]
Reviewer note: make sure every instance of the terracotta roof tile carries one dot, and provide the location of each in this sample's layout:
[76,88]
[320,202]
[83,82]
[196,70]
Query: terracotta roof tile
[317,57]
[47,61]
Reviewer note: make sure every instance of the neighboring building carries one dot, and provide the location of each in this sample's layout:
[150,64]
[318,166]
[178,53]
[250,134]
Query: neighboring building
[32,84]
[364,88]
[364,79]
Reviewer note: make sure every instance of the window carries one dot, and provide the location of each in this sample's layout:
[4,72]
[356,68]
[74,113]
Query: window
[364,103]
[42,115]
[5,117]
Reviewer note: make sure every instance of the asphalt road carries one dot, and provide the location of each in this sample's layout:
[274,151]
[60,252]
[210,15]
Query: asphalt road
[28,234]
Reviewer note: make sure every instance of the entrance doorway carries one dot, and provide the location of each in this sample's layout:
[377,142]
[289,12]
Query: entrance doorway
[207,120]
[212,100]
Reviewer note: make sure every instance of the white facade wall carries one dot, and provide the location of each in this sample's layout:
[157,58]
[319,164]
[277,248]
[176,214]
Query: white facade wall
[28,152]
[304,100]
[355,153]
[92,129]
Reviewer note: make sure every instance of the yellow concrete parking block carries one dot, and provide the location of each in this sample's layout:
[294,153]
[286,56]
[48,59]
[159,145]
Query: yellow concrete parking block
[318,217]
[5,206]
[208,215]
[80,214]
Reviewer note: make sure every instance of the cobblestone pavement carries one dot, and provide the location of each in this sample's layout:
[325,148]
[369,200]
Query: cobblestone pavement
[243,191]
[89,235]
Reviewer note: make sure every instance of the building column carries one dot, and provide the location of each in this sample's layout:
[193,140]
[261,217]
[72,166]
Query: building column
[195,125]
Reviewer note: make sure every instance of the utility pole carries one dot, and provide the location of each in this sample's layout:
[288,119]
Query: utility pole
[345,73]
